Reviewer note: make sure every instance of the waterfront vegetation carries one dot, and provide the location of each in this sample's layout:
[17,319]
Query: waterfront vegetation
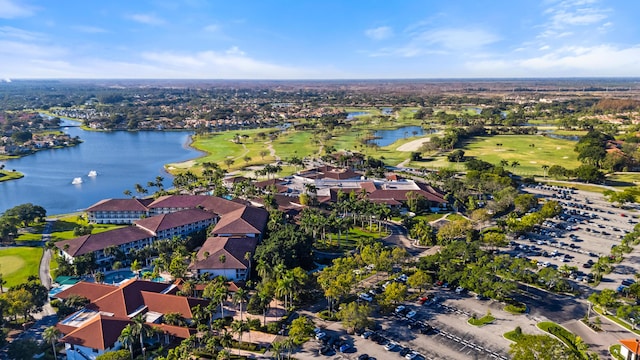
[6,175]
[18,263]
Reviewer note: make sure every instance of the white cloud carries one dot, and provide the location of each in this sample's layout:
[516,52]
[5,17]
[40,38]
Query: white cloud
[601,60]
[379,33]
[231,63]
[10,9]
[458,39]
[9,32]
[440,42]
[147,19]
[89,29]
[211,28]
[571,14]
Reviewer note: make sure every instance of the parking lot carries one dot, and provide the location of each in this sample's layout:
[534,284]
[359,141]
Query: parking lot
[588,228]
[438,330]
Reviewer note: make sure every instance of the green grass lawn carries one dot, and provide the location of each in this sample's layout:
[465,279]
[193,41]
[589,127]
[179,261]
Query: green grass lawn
[487,319]
[547,151]
[349,242]
[219,147]
[623,180]
[6,175]
[17,264]
[513,335]
[428,217]
[62,229]
[295,143]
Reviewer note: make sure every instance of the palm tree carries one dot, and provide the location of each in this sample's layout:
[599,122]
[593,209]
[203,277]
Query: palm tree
[220,296]
[544,170]
[51,335]
[223,260]
[504,163]
[276,348]
[238,328]
[226,340]
[127,338]
[239,297]
[141,329]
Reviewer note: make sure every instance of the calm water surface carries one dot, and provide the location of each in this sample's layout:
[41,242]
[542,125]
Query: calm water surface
[388,137]
[120,158]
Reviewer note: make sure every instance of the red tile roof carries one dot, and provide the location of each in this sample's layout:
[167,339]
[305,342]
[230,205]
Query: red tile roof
[220,206]
[94,242]
[178,201]
[91,291]
[127,298]
[234,250]
[632,344]
[245,220]
[163,222]
[177,331]
[164,303]
[120,205]
[100,332]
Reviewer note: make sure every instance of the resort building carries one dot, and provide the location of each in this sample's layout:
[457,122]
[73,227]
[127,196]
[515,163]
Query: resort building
[95,329]
[163,218]
[226,256]
[630,349]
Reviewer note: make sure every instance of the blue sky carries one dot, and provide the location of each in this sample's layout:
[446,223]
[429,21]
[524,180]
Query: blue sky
[314,39]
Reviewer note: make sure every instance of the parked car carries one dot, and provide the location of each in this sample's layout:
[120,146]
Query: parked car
[390,346]
[412,355]
[411,314]
[366,297]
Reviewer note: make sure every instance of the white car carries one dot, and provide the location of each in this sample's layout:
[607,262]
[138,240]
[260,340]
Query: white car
[320,335]
[411,314]
[400,308]
[459,290]
[366,297]
[412,355]
[390,346]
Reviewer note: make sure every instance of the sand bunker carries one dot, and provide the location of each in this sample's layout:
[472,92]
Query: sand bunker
[413,145]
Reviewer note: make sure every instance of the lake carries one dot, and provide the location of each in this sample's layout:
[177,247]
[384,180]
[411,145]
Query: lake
[388,137]
[120,158]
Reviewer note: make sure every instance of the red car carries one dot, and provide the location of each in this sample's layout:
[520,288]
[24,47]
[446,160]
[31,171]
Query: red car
[422,300]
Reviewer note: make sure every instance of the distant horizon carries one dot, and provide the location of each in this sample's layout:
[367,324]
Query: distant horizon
[596,78]
[332,39]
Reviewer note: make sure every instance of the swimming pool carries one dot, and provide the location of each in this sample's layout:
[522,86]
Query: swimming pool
[118,276]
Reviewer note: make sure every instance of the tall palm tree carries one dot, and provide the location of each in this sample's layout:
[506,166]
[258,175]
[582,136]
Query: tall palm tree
[220,296]
[223,260]
[127,338]
[544,170]
[238,328]
[239,297]
[51,335]
[141,329]
[276,348]
[226,340]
